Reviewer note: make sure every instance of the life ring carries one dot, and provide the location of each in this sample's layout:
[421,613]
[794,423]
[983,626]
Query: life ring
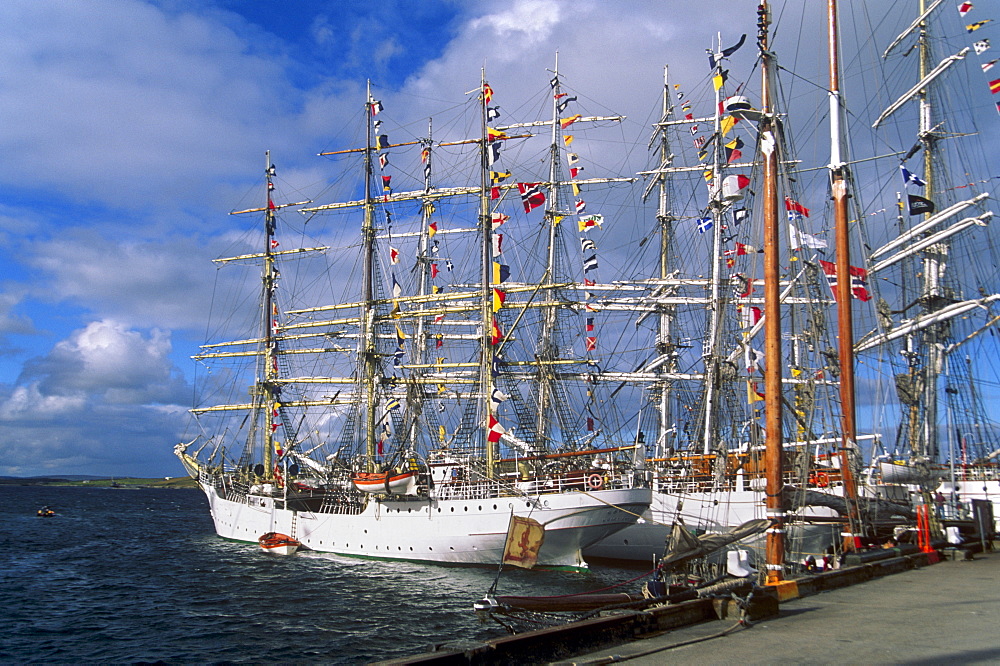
[595,482]
[820,479]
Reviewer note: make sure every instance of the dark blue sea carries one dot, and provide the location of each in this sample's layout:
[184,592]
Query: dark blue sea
[123,575]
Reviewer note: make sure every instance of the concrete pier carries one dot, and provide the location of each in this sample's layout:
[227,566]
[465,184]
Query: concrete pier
[944,613]
[894,611]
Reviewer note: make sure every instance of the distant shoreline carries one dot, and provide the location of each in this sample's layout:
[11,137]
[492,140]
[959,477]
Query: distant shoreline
[111,483]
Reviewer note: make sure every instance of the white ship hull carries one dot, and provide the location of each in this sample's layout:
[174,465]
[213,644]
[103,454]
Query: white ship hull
[710,512]
[982,488]
[444,531]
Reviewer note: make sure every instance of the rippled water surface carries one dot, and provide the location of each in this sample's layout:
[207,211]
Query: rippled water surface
[139,575]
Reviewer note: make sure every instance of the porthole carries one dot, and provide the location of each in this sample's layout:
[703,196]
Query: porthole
[494,507]
[453,509]
[466,508]
[451,548]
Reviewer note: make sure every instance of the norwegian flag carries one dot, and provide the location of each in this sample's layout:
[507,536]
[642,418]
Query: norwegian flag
[859,280]
[531,195]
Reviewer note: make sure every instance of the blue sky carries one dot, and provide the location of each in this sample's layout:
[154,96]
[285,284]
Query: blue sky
[131,128]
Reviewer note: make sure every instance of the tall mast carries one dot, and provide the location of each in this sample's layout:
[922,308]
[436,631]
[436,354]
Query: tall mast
[547,345]
[664,341]
[426,258]
[845,316]
[270,387]
[486,304]
[367,340]
[934,265]
[775,545]
[415,401]
[713,339]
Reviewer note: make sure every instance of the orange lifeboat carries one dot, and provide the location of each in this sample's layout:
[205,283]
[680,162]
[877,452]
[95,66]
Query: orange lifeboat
[278,544]
[391,482]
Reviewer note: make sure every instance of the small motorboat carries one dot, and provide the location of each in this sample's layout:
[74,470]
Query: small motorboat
[46,512]
[390,482]
[279,544]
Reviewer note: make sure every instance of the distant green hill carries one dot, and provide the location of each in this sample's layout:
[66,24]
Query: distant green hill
[100,482]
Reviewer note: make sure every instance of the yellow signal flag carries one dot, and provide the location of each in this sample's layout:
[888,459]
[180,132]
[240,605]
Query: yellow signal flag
[727,125]
[568,139]
[566,122]
[498,298]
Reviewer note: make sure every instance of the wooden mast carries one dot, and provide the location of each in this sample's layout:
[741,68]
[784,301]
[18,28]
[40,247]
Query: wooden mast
[845,317]
[775,545]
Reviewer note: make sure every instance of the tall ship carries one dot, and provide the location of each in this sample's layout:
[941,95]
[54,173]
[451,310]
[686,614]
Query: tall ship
[936,329]
[416,377]
[906,218]
[707,418]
